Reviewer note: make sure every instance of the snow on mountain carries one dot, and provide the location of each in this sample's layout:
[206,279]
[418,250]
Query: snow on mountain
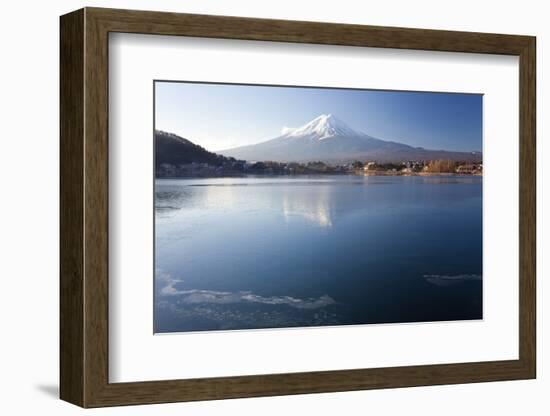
[327,138]
[322,127]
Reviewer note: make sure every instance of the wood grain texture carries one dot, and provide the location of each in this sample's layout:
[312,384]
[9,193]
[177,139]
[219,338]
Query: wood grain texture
[527,207]
[96,219]
[71,100]
[84,207]
[225,27]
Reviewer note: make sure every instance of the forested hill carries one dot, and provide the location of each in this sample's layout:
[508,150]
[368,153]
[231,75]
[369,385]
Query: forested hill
[175,150]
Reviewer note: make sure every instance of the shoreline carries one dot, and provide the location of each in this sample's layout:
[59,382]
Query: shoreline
[374,173]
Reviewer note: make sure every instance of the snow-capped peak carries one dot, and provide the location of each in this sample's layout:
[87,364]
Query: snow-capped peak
[322,127]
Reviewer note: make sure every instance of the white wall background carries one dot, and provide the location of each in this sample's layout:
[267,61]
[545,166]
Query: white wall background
[29,210]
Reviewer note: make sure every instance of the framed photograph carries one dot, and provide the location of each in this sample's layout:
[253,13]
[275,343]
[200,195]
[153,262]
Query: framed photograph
[260,207]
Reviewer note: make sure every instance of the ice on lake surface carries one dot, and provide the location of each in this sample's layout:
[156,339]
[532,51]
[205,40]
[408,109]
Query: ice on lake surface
[271,252]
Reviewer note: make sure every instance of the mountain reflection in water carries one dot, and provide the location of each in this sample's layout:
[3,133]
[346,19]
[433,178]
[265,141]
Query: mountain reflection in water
[238,253]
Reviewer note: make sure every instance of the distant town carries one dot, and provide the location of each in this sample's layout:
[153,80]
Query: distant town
[233,167]
[177,157]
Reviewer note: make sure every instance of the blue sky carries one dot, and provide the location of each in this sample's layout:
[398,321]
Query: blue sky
[222,116]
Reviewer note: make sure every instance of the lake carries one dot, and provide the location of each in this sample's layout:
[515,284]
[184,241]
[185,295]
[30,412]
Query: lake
[272,252]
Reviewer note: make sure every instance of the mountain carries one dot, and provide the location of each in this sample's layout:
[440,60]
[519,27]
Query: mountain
[328,139]
[175,150]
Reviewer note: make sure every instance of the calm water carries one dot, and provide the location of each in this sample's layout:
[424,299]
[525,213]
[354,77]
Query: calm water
[238,253]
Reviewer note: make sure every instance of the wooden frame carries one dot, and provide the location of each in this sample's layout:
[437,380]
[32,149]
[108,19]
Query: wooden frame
[84,207]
